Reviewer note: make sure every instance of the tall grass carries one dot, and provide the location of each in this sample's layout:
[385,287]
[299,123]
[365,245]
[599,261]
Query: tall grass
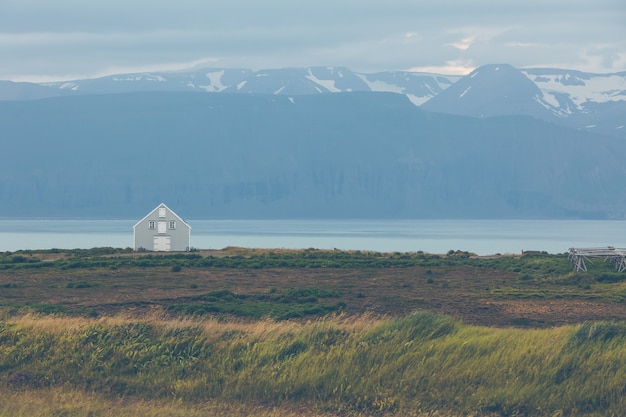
[362,365]
[73,403]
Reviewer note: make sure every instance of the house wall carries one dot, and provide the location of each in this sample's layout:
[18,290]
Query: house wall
[176,239]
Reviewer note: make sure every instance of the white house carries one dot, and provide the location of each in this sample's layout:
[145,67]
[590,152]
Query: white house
[162,230]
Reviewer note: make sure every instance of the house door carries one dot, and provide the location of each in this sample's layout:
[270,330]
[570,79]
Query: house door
[162,243]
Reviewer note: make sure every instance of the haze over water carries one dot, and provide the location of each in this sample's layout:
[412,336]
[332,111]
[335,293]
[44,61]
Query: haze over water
[483,237]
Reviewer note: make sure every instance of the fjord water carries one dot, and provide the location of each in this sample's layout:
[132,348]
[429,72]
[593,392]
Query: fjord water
[483,237]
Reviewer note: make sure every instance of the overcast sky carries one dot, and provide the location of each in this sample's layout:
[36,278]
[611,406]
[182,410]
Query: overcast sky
[43,40]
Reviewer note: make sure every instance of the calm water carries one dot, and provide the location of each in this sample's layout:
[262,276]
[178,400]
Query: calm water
[483,237]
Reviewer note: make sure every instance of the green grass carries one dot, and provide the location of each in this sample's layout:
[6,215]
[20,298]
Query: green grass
[542,268]
[107,281]
[310,258]
[292,303]
[361,365]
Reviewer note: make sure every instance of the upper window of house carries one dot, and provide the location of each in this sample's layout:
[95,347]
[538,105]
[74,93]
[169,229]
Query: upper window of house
[151,224]
[161,212]
[172,224]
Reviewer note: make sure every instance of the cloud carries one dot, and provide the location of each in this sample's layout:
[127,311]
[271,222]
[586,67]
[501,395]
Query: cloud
[605,56]
[60,39]
[522,44]
[450,68]
[463,44]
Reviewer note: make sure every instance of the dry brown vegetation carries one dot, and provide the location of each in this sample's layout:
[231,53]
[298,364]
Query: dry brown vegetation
[476,293]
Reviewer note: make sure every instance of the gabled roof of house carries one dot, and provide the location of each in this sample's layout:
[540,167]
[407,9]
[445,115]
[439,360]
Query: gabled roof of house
[156,208]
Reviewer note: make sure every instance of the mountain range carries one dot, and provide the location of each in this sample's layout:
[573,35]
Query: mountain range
[497,143]
[593,102]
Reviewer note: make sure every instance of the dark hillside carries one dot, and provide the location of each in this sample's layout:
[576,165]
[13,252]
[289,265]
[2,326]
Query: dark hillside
[339,155]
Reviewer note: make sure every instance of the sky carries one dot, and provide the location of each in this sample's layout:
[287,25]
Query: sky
[43,40]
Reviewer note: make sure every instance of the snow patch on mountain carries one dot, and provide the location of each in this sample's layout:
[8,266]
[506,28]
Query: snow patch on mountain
[562,108]
[327,84]
[580,88]
[465,91]
[381,85]
[548,98]
[215,82]
[417,100]
[418,87]
[69,86]
[141,77]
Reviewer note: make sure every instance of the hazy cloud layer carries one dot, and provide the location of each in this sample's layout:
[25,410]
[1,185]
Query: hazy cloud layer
[42,40]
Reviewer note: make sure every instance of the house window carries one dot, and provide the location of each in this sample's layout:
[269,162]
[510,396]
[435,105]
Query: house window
[161,212]
[172,225]
[151,224]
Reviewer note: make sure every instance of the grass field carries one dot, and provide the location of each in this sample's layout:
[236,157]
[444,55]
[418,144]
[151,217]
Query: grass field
[534,291]
[310,333]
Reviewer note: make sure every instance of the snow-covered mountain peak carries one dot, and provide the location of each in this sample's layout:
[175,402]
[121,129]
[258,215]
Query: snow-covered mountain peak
[488,91]
[580,88]
[418,87]
[571,98]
